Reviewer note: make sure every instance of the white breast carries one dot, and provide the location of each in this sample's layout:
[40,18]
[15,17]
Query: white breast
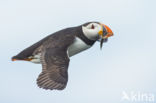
[77,47]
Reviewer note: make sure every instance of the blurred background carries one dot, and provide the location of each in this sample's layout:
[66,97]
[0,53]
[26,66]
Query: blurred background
[127,61]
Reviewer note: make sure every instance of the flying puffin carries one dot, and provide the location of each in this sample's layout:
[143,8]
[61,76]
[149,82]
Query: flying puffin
[54,51]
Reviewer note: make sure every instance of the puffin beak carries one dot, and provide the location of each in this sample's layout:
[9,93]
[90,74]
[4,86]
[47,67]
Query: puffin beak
[104,33]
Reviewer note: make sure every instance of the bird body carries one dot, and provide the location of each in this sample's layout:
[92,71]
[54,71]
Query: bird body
[76,47]
[54,51]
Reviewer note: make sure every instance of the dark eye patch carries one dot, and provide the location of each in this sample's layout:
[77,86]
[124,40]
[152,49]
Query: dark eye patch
[92,27]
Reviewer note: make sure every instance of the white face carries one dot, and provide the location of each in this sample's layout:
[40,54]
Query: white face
[91,30]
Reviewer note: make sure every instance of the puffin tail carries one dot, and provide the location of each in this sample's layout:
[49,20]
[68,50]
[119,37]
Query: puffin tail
[15,58]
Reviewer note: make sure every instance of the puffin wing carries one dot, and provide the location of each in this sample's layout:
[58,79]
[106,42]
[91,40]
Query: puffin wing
[55,61]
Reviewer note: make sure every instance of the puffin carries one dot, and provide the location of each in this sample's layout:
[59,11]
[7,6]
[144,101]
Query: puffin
[55,50]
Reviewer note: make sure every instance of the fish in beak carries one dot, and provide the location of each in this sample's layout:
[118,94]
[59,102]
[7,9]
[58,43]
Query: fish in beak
[104,33]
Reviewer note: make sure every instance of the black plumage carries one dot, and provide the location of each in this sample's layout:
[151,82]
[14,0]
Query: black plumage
[54,57]
[62,35]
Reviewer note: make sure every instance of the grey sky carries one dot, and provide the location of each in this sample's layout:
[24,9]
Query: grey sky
[126,63]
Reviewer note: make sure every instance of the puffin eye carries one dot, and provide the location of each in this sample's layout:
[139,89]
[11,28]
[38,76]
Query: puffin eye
[92,27]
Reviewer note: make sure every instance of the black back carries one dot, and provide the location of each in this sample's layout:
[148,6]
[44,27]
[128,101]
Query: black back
[71,32]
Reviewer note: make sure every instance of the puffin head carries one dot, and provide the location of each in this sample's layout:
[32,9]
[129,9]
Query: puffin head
[97,31]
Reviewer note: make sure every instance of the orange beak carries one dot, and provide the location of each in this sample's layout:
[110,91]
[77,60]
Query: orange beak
[105,32]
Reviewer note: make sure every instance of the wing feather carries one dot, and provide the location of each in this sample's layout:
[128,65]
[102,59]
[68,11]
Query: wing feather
[55,62]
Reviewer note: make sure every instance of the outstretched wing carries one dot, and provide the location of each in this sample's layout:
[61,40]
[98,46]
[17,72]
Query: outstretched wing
[55,61]
[54,74]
